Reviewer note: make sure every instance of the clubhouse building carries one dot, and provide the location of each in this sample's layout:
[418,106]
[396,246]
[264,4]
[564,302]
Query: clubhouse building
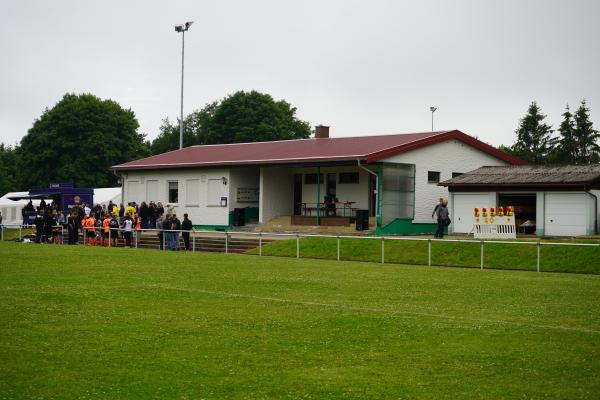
[317,181]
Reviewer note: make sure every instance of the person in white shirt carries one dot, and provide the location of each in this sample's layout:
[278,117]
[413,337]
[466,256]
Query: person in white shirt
[127,230]
[87,210]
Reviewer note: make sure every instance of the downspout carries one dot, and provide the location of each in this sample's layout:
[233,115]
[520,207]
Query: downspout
[595,210]
[377,210]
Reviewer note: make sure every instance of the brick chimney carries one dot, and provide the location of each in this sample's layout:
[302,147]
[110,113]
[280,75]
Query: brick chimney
[321,132]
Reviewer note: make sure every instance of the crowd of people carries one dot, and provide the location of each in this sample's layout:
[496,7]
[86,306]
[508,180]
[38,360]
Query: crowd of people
[105,225]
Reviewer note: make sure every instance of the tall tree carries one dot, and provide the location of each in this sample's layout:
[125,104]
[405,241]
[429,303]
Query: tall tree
[8,169]
[586,137]
[534,141]
[78,140]
[240,117]
[566,151]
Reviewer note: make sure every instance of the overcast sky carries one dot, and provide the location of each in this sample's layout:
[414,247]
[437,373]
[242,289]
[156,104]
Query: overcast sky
[363,67]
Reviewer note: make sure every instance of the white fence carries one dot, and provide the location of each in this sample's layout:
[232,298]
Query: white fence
[260,236]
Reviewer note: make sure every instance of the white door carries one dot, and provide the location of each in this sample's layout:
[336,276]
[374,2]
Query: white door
[464,203]
[566,214]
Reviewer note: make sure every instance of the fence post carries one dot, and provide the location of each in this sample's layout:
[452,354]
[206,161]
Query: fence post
[84,236]
[429,252]
[260,244]
[481,254]
[1,232]
[20,233]
[137,233]
[338,248]
[297,246]
[226,243]
[193,242]
[382,250]
[164,240]
[539,246]
[109,236]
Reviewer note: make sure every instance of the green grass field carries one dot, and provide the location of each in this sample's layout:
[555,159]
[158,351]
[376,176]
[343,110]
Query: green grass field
[496,255]
[81,322]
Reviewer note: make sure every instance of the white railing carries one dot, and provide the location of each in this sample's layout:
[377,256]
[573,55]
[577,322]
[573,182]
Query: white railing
[227,235]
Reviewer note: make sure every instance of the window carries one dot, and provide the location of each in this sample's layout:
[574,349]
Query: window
[174,192]
[433,177]
[455,174]
[348,177]
[311,179]
[192,192]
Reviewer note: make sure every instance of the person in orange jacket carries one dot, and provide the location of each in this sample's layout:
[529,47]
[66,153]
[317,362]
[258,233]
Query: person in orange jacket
[105,229]
[91,230]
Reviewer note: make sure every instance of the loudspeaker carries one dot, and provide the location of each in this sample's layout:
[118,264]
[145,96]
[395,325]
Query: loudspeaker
[362,220]
[239,216]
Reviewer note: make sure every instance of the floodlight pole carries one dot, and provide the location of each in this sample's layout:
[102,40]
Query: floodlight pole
[432,109]
[181,111]
[182,28]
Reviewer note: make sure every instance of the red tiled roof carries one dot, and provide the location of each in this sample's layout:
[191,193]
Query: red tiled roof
[366,148]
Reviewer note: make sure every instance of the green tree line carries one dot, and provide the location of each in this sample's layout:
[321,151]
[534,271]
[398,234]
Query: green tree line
[575,141]
[82,136]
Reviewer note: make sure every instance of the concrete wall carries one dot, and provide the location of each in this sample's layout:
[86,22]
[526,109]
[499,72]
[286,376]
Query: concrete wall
[247,178]
[137,183]
[446,157]
[276,193]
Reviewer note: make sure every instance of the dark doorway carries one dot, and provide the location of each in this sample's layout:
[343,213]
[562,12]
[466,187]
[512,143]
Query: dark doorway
[331,185]
[524,207]
[297,194]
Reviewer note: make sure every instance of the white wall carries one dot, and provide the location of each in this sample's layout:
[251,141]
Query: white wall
[446,157]
[276,193]
[135,182]
[242,178]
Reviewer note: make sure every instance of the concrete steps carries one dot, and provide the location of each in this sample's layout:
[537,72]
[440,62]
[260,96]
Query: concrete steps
[235,244]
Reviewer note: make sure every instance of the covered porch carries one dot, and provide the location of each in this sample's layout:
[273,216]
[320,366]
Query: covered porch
[331,194]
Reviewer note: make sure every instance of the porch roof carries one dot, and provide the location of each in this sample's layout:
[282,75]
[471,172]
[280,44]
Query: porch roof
[365,148]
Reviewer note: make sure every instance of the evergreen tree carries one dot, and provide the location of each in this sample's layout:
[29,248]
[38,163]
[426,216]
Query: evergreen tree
[566,151]
[534,141]
[586,137]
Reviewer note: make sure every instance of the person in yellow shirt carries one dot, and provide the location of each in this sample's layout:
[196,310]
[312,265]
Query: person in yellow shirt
[130,209]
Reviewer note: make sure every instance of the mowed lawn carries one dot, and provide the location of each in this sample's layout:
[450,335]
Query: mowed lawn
[81,322]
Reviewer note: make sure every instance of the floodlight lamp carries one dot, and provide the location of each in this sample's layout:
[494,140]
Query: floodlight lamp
[188,24]
[432,109]
[178,28]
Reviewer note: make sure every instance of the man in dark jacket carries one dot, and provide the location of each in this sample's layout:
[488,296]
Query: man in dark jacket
[176,226]
[186,226]
[167,224]
[72,227]
[39,226]
[442,217]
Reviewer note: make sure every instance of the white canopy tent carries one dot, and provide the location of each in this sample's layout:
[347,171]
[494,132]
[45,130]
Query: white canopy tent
[11,209]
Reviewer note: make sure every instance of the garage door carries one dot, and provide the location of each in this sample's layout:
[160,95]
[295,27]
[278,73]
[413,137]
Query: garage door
[464,204]
[566,214]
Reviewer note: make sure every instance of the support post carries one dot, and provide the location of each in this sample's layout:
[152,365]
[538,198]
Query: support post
[429,252]
[2,233]
[193,242]
[539,246]
[20,233]
[297,246]
[164,240]
[109,237]
[338,248]
[318,196]
[260,244]
[84,236]
[481,254]
[137,233]
[382,250]
[226,243]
